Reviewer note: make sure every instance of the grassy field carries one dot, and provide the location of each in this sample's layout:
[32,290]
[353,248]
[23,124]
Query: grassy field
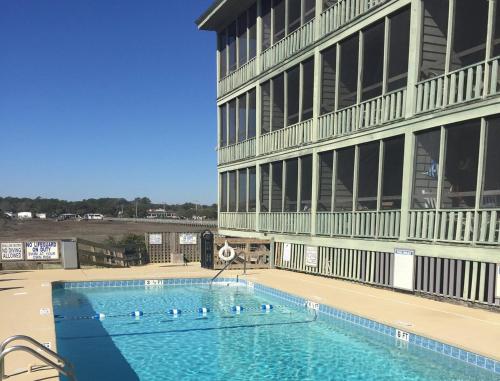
[97,231]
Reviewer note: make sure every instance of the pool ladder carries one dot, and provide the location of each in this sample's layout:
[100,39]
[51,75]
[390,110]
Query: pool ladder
[62,365]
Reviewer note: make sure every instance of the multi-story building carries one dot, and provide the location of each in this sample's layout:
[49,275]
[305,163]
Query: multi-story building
[363,137]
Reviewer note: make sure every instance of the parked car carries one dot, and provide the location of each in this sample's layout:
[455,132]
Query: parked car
[69,217]
[93,216]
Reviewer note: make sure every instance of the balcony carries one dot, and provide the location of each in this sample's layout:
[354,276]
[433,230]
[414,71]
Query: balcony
[371,113]
[360,224]
[238,221]
[292,136]
[238,77]
[288,46]
[343,12]
[294,223]
[455,226]
[238,151]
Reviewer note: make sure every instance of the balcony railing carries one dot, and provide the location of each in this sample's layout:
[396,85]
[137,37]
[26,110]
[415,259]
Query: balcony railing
[237,220]
[292,136]
[238,151]
[374,112]
[343,12]
[299,223]
[288,46]
[363,224]
[238,77]
[456,226]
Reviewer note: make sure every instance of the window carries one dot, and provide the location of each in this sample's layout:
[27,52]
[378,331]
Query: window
[460,167]
[278,99]
[232,122]
[392,179]
[469,43]
[426,170]
[307,89]
[242,118]
[399,47]
[242,190]
[435,33]
[223,192]
[222,46]
[306,183]
[223,125]
[309,10]
[344,179]
[242,39]
[293,90]
[264,188]
[279,20]
[266,24]
[491,188]
[252,185]
[277,186]
[232,191]
[292,173]
[325,181]
[368,176]
[328,79]
[294,15]
[252,31]
[252,113]
[496,37]
[373,61]
[348,86]
[231,42]
[266,107]
[328,3]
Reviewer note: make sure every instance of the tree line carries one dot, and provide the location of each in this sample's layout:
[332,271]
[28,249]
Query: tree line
[111,207]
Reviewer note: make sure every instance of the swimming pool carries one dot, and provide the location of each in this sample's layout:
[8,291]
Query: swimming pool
[127,330]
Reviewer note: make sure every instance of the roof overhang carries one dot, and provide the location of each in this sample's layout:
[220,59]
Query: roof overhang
[221,12]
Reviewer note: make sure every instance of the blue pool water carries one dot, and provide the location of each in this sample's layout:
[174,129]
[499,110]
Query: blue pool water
[287,343]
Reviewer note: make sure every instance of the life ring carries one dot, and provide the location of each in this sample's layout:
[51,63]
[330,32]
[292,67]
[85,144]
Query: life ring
[223,250]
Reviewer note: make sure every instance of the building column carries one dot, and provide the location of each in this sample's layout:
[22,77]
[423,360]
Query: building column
[314,191]
[416,25]
[259,38]
[257,197]
[406,189]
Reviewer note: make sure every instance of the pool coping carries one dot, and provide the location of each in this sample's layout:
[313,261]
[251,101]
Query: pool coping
[452,351]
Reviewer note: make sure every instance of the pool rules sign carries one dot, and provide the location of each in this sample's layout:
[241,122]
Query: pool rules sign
[312,256]
[12,251]
[42,250]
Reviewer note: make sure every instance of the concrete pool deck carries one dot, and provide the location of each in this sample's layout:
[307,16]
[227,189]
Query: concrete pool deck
[24,293]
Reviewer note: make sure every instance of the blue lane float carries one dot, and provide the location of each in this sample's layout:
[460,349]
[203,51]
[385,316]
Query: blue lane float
[174,311]
[203,310]
[136,313]
[266,307]
[99,316]
[237,309]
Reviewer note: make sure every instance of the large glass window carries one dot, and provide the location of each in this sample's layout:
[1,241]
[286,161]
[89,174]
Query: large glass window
[307,89]
[223,125]
[231,42]
[344,179]
[306,183]
[309,10]
[348,86]
[242,117]
[325,181]
[292,168]
[328,79]
[279,20]
[460,170]
[399,47]
[368,176]
[435,32]
[264,188]
[491,189]
[373,61]
[293,89]
[426,169]
[232,191]
[328,3]
[278,99]
[294,13]
[496,37]
[265,124]
[277,186]
[242,39]
[392,179]
[242,190]
[232,122]
[252,113]
[266,24]
[223,192]
[252,31]
[469,43]
[252,185]
[222,46]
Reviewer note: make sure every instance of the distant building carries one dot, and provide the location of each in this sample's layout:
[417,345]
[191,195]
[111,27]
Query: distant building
[42,216]
[161,214]
[24,215]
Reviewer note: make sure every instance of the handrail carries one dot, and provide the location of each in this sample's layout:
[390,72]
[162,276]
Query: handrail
[61,368]
[225,267]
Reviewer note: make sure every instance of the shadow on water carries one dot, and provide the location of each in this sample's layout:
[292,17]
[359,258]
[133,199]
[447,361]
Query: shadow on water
[91,350]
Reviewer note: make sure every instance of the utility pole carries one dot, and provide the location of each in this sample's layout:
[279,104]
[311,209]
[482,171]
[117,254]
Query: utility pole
[135,208]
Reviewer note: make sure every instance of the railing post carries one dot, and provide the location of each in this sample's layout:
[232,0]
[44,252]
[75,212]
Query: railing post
[416,21]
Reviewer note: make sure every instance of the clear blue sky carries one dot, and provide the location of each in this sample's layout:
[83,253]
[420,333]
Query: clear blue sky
[107,98]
